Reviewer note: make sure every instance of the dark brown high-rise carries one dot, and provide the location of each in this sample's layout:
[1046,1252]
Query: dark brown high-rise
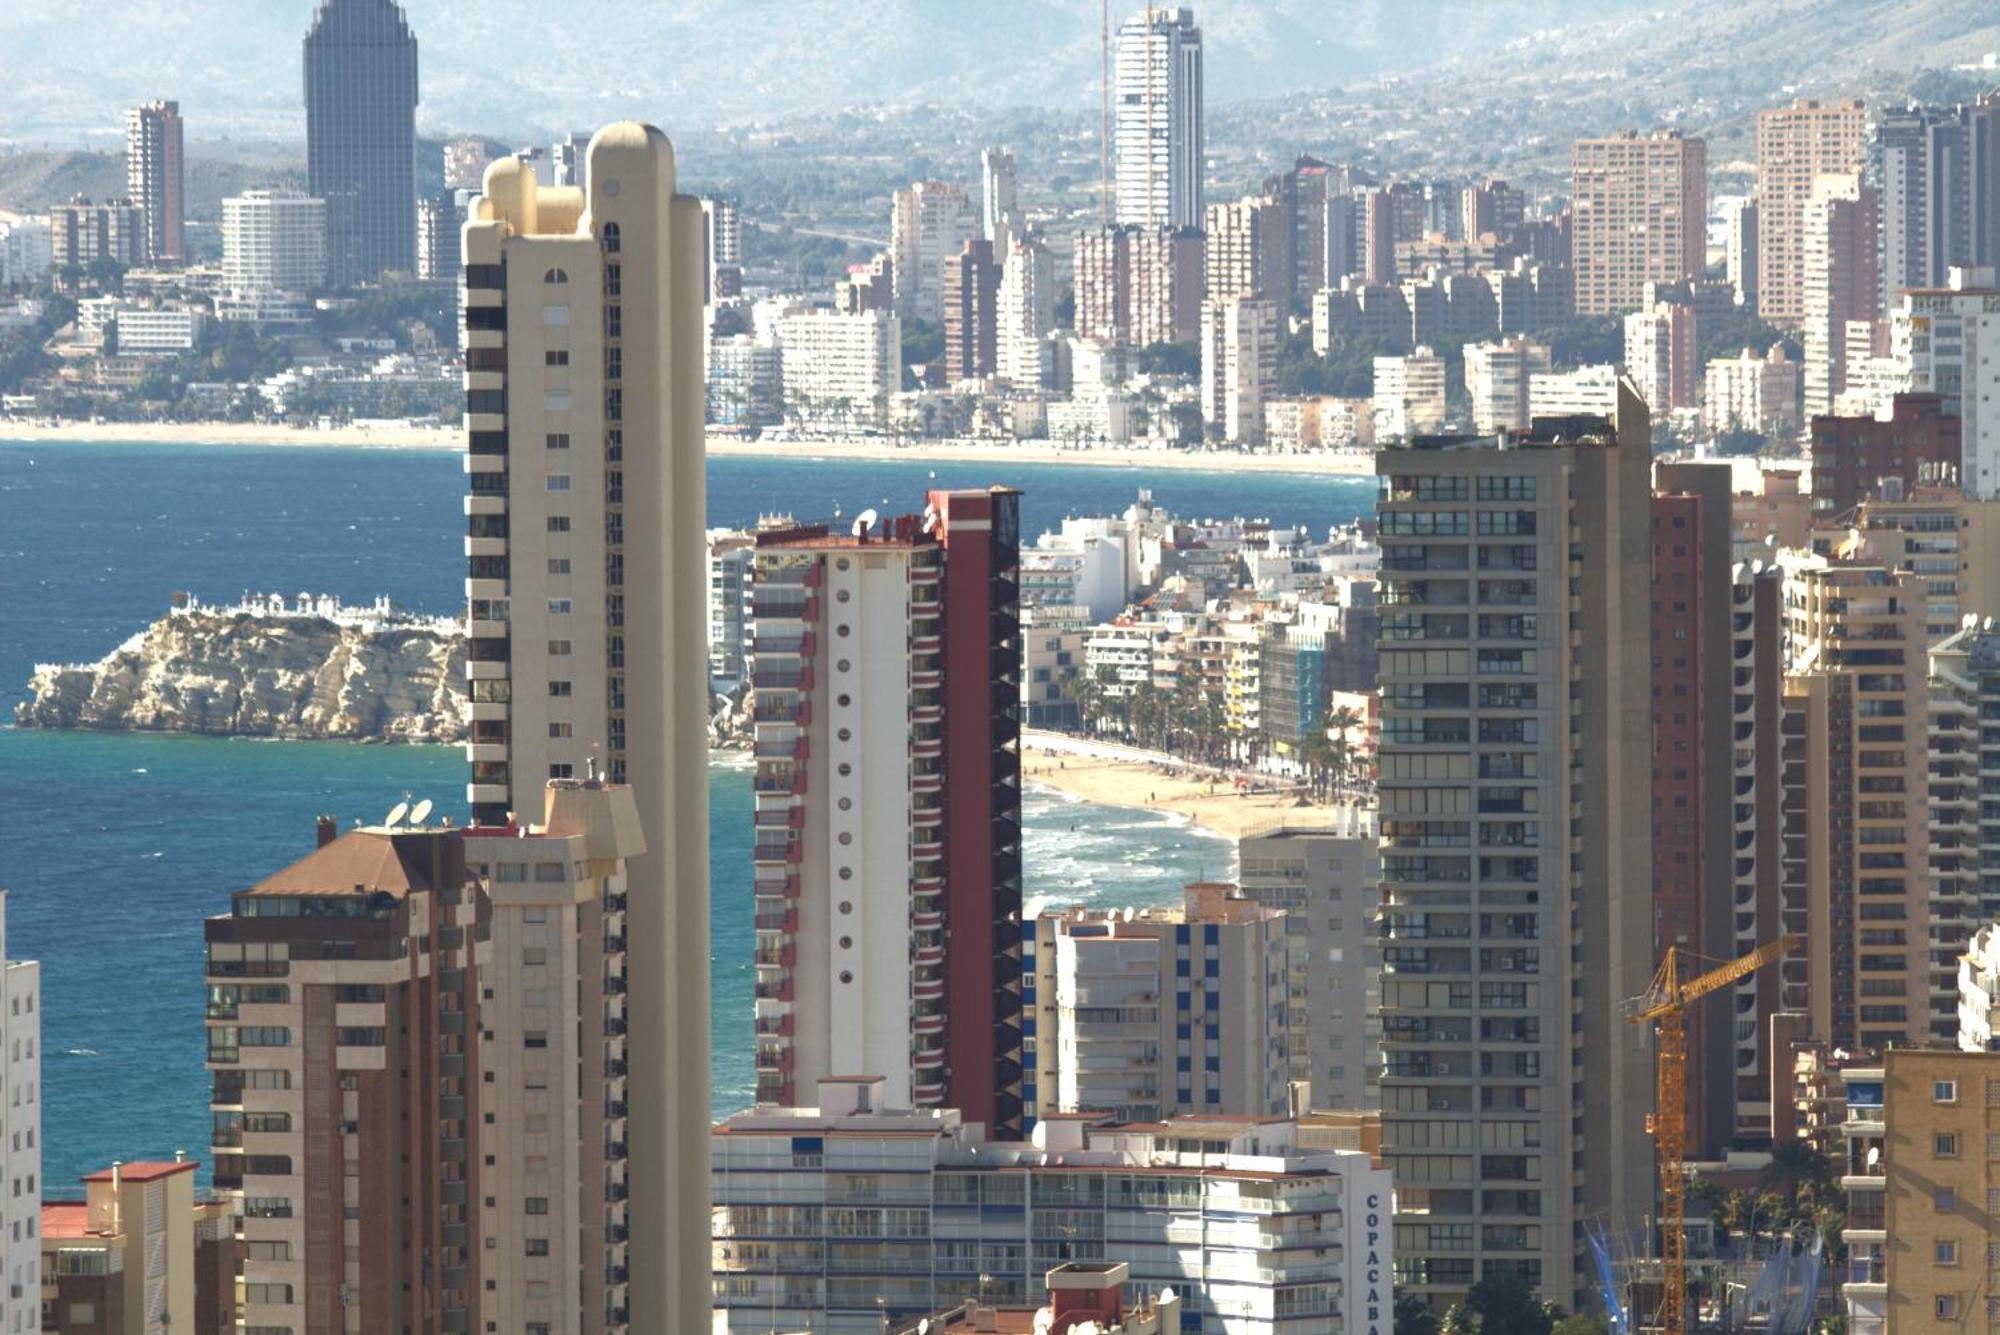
[971,312]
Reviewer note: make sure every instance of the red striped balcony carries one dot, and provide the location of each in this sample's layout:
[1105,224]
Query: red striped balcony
[927,919]
[930,782]
[925,1024]
[928,1059]
[927,713]
[925,851]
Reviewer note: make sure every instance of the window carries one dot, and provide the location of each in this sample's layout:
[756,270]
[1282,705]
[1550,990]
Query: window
[538,1205]
[538,1246]
[558,523]
[1944,1091]
[559,690]
[1946,1306]
[1944,1145]
[1945,1200]
[1945,1252]
[609,236]
[558,481]
[558,565]
[559,607]
[535,1038]
[559,648]
[555,357]
[558,440]
[555,317]
[562,770]
[561,730]
[555,278]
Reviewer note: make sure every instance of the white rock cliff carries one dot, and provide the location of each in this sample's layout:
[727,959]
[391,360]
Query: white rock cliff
[236,674]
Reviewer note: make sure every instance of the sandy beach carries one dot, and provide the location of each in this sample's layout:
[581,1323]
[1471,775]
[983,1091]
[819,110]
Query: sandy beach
[1209,801]
[398,437]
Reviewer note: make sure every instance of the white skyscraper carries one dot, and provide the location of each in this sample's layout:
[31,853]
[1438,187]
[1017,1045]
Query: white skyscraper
[1239,366]
[929,225]
[1027,310]
[1159,133]
[999,199]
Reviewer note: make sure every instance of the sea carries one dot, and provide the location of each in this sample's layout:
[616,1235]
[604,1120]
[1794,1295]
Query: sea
[114,847]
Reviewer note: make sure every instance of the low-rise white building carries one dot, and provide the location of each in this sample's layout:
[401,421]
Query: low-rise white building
[1496,381]
[841,1217]
[1409,395]
[1752,393]
[1588,391]
[138,330]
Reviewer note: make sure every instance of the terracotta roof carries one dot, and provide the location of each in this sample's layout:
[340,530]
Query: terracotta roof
[369,859]
[145,1170]
[66,1219]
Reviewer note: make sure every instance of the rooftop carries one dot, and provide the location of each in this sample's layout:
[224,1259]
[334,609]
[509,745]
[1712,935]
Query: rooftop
[144,1170]
[365,861]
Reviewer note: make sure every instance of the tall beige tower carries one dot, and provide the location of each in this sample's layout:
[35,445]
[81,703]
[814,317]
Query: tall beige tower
[1795,146]
[1639,214]
[587,608]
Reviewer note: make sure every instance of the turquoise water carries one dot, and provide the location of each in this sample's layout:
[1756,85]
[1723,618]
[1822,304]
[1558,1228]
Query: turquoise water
[115,847]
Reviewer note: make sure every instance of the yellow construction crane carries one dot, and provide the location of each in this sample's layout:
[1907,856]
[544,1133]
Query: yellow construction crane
[1665,1006]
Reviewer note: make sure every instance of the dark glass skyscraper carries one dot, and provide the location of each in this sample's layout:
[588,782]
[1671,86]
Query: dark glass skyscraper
[361,136]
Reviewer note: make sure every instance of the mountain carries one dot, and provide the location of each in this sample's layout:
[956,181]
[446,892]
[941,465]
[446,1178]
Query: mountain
[522,67]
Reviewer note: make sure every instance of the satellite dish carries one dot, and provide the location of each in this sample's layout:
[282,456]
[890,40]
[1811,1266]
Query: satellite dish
[1874,1155]
[1167,1295]
[864,521]
[421,812]
[396,814]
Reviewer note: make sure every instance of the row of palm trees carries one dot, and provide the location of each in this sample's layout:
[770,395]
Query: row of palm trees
[1188,723]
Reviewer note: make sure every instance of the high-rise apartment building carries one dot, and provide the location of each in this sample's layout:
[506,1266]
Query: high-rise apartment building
[569,159]
[1946,341]
[1516,904]
[156,177]
[1912,1159]
[437,239]
[556,1063]
[1937,171]
[1660,355]
[1855,635]
[1838,280]
[971,1214]
[1388,216]
[971,312]
[1328,881]
[1964,832]
[1239,365]
[721,249]
[1409,395]
[1638,213]
[1497,376]
[1319,246]
[587,608]
[1796,145]
[20,1138]
[361,136]
[929,224]
[1139,285]
[83,233]
[344,1029]
[1027,311]
[274,241]
[1160,134]
[886,667]
[465,160]
[1740,251]
[1248,243]
[1161,1013]
[1000,220]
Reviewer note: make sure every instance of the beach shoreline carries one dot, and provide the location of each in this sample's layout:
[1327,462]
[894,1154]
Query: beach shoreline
[1348,463]
[1101,774]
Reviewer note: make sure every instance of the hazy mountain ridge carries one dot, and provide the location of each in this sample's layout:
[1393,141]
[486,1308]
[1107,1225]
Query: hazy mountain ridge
[516,66]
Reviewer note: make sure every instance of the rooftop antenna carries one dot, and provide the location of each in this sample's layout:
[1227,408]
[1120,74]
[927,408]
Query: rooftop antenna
[421,812]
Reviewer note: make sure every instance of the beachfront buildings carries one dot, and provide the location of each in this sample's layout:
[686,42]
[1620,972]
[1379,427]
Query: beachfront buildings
[1516,907]
[1160,1012]
[1638,214]
[840,371]
[361,136]
[1326,877]
[853,1213]
[1159,135]
[587,608]
[344,1029]
[886,665]
[156,178]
